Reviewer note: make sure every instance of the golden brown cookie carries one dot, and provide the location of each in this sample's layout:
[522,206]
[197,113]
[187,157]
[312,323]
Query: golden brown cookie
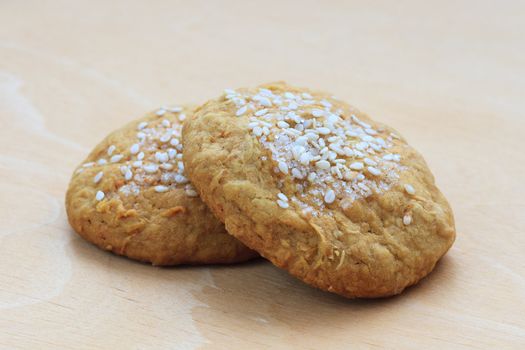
[131,196]
[317,187]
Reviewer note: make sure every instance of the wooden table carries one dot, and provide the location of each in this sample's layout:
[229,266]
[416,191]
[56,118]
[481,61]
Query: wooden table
[449,75]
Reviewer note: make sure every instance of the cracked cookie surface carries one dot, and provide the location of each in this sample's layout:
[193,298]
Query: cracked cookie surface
[131,197]
[318,188]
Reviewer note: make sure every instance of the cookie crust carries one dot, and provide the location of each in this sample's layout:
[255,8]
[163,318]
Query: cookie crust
[371,231]
[130,196]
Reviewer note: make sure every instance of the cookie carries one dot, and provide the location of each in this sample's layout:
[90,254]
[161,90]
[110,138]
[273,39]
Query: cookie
[314,185]
[131,196]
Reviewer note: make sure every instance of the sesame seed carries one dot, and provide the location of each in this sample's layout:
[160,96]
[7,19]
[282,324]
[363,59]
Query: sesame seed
[142,125]
[261,112]
[324,131]
[161,157]
[297,150]
[102,161]
[265,102]
[363,186]
[98,177]
[137,164]
[172,153]
[292,132]
[329,196]
[166,123]
[410,189]
[282,204]
[367,138]
[374,171]
[116,158]
[100,196]
[296,173]
[361,146]
[322,164]
[241,111]
[181,179]
[358,154]
[140,156]
[151,168]
[312,177]
[89,165]
[161,188]
[128,175]
[283,167]
[375,147]
[266,92]
[191,193]
[176,109]
[305,158]
[348,175]
[317,112]
[174,141]
[369,161]
[311,135]
[165,138]
[111,149]
[338,173]
[134,149]
[326,103]
[407,219]
[380,142]
[302,140]
[282,124]
[257,131]
[356,166]
[160,112]
[282,197]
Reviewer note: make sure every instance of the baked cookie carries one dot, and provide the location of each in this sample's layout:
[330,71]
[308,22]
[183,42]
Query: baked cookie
[318,188]
[131,196]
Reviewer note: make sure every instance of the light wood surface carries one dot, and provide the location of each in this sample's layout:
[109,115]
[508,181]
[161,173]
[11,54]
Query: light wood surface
[449,75]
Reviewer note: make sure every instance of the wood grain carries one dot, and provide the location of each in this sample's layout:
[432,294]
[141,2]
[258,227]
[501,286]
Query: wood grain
[450,76]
